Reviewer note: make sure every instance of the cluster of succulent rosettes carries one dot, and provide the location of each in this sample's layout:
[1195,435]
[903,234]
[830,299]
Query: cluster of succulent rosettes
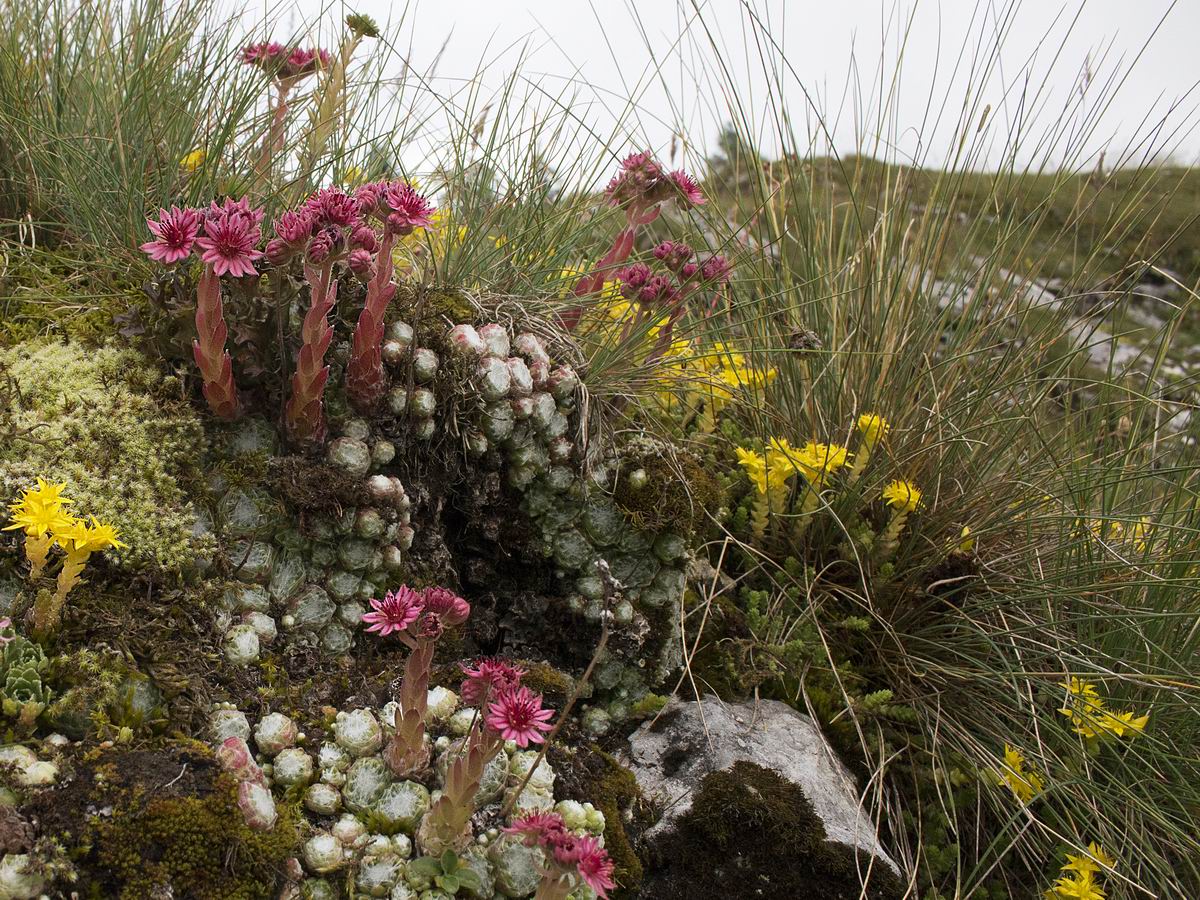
[315,583]
[278,61]
[523,402]
[371,832]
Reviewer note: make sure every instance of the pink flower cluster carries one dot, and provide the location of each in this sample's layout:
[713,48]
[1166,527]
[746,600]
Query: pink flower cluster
[281,62]
[569,852]
[512,711]
[227,236]
[413,614]
[643,182]
[332,224]
[642,284]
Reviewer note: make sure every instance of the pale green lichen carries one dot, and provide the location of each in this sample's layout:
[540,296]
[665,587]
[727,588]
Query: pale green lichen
[117,431]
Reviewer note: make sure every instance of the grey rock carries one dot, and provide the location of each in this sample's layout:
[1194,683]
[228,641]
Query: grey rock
[767,733]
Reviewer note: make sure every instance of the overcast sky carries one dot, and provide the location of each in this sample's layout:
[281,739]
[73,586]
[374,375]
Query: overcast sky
[1101,74]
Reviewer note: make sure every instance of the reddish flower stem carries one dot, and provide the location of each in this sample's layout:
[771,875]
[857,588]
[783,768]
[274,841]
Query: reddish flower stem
[365,380]
[305,410]
[276,135]
[406,752]
[216,367]
[623,244]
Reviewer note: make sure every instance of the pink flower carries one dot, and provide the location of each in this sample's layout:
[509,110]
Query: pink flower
[716,268]
[592,863]
[320,247]
[360,261]
[537,827]
[370,196]
[639,181]
[395,612]
[262,53]
[446,605]
[295,226]
[490,677]
[233,207]
[408,209]
[332,208]
[364,236]
[5,624]
[230,238]
[673,254]
[518,716]
[175,234]
[692,195]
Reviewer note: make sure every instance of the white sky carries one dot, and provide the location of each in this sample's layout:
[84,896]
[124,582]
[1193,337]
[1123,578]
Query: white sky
[1142,54]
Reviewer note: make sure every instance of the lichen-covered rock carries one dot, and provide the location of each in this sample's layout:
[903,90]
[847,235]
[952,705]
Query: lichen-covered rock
[671,757]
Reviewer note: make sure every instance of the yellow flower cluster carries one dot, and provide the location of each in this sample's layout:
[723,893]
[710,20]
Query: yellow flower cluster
[194,160]
[1022,780]
[41,515]
[1079,877]
[873,428]
[40,510]
[902,496]
[768,473]
[1085,709]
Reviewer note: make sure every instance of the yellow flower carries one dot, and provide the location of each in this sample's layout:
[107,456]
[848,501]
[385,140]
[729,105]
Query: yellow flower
[1089,863]
[1086,712]
[39,511]
[902,496]
[1024,783]
[90,537]
[819,461]
[1080,886]
[966,543]
[873,427]
[353,176]
[767,475]
[194,160]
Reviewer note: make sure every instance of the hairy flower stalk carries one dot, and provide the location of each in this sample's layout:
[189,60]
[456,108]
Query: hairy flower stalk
[208,348]
[227,237]
[407,752]
[512,713]
[305,412]
[904,498]
[286,67]
[447,826]
[365,379]
[401,210]
[417,619]
[872,429]
[80,540]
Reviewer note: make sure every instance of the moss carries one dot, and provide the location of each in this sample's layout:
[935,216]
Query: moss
[675,493]
[552,683]
[171,828]
[752,833]
[429,311]
[91,418]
